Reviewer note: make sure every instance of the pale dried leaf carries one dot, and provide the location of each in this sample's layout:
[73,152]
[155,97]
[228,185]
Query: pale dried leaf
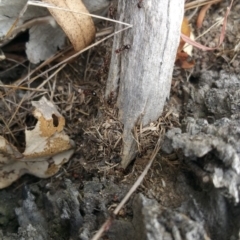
[188,48]
[47,147]
[44,42]
[9,12]
[8,151]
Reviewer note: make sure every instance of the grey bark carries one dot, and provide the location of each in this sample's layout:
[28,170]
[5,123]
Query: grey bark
[140,78]
[153,222]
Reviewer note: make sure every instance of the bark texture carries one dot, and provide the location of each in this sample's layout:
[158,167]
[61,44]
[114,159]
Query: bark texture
[140,77]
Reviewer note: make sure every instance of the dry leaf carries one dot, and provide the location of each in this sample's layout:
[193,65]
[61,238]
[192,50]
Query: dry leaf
[44,42]
[184,53]
[184,61]
[203,12]
[78,27]
[44,38]
[188,48]
[185,29]
[47,147]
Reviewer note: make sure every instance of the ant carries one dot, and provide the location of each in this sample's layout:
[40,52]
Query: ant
[140,4]
[128,46]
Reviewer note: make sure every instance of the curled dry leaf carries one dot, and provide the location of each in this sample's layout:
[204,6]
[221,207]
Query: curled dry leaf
[47,147]
[203,12]
[78,27]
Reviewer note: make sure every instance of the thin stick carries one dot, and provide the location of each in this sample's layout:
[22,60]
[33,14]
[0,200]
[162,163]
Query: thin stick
[47,80]
[5,124]
[104,32]
[15,112]
[46,62]
[33,22]
[47,5]
[131,191]
[24,88]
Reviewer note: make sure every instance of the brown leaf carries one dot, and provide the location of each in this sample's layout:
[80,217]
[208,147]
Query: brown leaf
[47,147]
[203,12]
[184,61]
[78,27]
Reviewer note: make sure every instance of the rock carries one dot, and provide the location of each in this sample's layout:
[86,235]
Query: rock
[121,229]
[48,214]
[8,202]
[213,149]
[217,95]
[97,195]
[63,204]
[32,223]
[212,172]
[153,222]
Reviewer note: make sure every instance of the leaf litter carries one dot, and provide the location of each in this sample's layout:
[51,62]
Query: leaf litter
[77,91]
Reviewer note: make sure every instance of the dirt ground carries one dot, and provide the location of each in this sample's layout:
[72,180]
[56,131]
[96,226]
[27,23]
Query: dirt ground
[182,192]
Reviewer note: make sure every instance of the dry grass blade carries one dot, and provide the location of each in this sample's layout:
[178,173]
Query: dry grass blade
[10,132]
[41,4]
[23,88]
[45,63]
[107,224]
[14,31]
[15,113]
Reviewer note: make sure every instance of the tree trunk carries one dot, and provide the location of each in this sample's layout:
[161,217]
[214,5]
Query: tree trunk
[141,72]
